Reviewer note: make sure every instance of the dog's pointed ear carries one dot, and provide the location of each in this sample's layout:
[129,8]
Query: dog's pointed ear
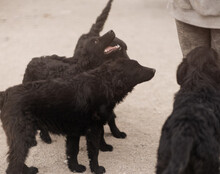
[181,71]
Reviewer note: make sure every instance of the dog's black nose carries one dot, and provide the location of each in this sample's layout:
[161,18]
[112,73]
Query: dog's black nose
[154,70]
[111,31]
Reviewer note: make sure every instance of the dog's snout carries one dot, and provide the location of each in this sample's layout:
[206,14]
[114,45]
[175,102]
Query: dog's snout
[150,70]
[107,38]
[149,73]
[111,32]
[154,71]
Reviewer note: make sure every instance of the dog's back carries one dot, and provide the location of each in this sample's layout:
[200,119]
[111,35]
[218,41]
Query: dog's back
[191,135]
[41,68]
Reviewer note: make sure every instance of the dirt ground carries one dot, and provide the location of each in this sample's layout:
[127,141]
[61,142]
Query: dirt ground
[31,28]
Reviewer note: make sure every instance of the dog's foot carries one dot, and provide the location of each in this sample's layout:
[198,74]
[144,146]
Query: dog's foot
[45,137]
[77,168]
[106,148]
[99,170]
[118,134]
[25,170]
[32,170]
[33,143]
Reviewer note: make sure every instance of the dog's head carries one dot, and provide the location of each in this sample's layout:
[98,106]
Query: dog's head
[100,47]
[106,46]
[130,73]
[201,63]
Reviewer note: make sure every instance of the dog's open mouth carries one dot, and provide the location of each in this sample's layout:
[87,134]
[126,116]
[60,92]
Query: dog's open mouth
[111,49]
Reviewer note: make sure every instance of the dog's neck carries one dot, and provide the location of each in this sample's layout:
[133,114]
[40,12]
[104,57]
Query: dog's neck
[112,84]
[197,81]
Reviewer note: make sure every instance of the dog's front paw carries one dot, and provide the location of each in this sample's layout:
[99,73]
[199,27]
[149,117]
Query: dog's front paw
[33,143]
[119,134]
[29,170]
[106,148]
[32,170]
[77,168]
[99,170]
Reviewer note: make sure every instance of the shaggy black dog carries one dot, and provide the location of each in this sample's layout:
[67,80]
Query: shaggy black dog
[190,137]
[72,106]
[91,51]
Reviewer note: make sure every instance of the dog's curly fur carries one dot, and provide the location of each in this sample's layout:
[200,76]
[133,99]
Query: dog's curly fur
[190,140]
[88,54]
[71,106]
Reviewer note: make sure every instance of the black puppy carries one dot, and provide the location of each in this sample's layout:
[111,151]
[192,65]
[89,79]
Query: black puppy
[190,138]
[72,106]
[91,51]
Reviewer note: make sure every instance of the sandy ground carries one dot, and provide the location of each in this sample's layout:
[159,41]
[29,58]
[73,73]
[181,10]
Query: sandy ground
[31,28]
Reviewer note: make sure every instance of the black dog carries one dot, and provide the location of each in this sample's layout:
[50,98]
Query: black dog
[190,137]
[72,106]
[91,51]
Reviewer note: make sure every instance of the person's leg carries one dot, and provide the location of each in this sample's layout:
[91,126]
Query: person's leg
[215,40]
[191,37]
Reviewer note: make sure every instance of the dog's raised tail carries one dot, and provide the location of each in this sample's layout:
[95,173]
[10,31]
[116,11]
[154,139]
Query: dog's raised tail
[2,96]
[100,21]
[180,149]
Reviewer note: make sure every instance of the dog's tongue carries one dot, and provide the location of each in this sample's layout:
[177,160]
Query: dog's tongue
[110,49]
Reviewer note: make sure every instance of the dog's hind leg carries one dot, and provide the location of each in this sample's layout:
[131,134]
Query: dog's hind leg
[21,134]
[114,129]
[18,151]
[72,150]
[103,145]
[93,137]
